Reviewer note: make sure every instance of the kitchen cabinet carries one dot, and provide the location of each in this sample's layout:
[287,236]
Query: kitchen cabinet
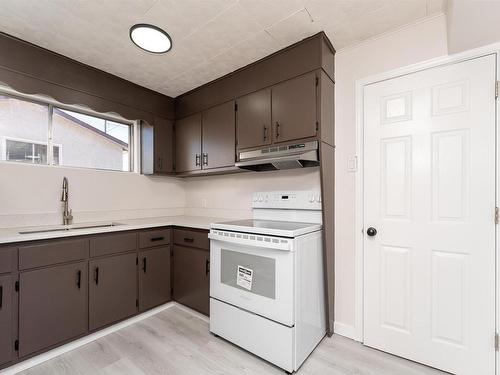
[253,119]
[294,109]
[157,147]
[6,319]
[188,144]
[112,289]
[154,277]
[218,136]
[281,113]
[163,146]
[192,277]
[52,306]
[206,140]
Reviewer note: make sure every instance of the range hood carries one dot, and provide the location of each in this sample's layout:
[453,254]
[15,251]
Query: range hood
[298,155]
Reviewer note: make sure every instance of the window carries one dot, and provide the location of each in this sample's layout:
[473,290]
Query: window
[39,133]
[29,152]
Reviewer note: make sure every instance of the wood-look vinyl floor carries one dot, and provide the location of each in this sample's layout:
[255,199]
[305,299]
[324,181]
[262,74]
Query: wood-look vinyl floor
[174,342]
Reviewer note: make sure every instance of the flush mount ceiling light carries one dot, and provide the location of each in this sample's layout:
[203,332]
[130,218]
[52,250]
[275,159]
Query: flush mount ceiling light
[150,38]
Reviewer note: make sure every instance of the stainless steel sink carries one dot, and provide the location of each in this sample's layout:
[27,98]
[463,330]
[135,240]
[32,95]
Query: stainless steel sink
[69,228]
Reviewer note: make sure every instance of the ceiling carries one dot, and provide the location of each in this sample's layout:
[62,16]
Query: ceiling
[210,37]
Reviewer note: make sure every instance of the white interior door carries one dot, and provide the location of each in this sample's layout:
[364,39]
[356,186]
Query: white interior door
[429,191]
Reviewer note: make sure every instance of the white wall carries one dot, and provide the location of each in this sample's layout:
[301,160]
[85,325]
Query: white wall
[30,195]
[414,43]
[230,195]
[472,24]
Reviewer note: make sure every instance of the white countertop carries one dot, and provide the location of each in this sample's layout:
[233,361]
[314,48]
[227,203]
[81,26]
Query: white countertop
[11,235]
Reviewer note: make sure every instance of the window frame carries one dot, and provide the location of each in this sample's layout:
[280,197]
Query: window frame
[51,104]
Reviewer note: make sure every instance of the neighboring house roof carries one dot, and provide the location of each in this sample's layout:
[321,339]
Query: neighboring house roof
[91,128]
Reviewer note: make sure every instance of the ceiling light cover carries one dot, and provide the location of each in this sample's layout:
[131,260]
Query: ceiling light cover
[150,38]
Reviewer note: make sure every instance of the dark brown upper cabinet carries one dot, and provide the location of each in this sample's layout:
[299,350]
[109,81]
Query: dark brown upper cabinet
[52,306]
[154,277]
[294,111]
[157,147]
[218,136]
[188,144]
[253,119]
[112,289]
[163,146]
[6,319]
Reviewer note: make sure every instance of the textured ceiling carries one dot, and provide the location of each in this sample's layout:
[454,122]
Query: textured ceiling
[210,37]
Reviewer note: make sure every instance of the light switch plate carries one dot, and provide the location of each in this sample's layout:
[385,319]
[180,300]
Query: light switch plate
[352,164]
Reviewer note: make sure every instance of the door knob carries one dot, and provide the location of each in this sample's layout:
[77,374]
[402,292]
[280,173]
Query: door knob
[371,232]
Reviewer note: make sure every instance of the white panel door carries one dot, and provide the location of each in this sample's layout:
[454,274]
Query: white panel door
[429,192]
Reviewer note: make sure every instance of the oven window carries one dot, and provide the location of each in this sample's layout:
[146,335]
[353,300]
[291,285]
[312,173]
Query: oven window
[255,274]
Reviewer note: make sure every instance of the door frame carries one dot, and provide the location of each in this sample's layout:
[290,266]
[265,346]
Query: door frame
[357,332]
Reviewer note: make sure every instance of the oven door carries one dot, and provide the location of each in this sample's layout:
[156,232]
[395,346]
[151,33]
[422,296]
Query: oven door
[253,277]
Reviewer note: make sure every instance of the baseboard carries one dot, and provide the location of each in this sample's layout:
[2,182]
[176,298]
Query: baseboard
[21,366]
[347,330]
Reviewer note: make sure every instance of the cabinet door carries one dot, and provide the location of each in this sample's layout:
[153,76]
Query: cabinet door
[112,290]
[188,143]
[163,146]
[52,306]
[191,278]
[154,277]
[6,320]
[253,119]
[218,136]
[294,108]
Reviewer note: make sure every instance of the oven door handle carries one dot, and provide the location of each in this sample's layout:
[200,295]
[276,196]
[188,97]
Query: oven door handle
[265,242]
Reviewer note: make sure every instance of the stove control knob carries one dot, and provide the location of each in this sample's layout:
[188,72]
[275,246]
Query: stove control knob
[311,198]
[318,198]
[261,198]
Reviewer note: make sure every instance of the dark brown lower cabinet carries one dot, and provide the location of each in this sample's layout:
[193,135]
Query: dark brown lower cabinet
[52,306]
[154,277]
[6,319]
[192,277]
[112,289]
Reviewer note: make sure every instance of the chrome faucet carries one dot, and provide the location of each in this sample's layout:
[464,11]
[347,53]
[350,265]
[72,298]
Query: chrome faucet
[67,213]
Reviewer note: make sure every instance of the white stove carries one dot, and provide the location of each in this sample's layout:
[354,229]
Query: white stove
[266,279]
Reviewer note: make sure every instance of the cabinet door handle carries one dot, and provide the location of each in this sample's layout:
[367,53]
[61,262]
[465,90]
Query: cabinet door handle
[96,276]
[79,279]
[1,297]
[197,160]
[154,239]
[188,239]
[277,129]
[144,264]
[265,133]
[205,159]
[207,267]
[160,163]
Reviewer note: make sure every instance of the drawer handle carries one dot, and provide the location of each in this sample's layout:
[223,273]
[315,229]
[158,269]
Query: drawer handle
[207,267]
[277,129]
[188,239]
[1,297]
[144,264]
[79,279]
[154,239]
[96,276]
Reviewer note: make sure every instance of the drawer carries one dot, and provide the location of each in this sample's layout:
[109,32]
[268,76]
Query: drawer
[113,243]
[8,259]
[191,237]
[154,237]
[54,252]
